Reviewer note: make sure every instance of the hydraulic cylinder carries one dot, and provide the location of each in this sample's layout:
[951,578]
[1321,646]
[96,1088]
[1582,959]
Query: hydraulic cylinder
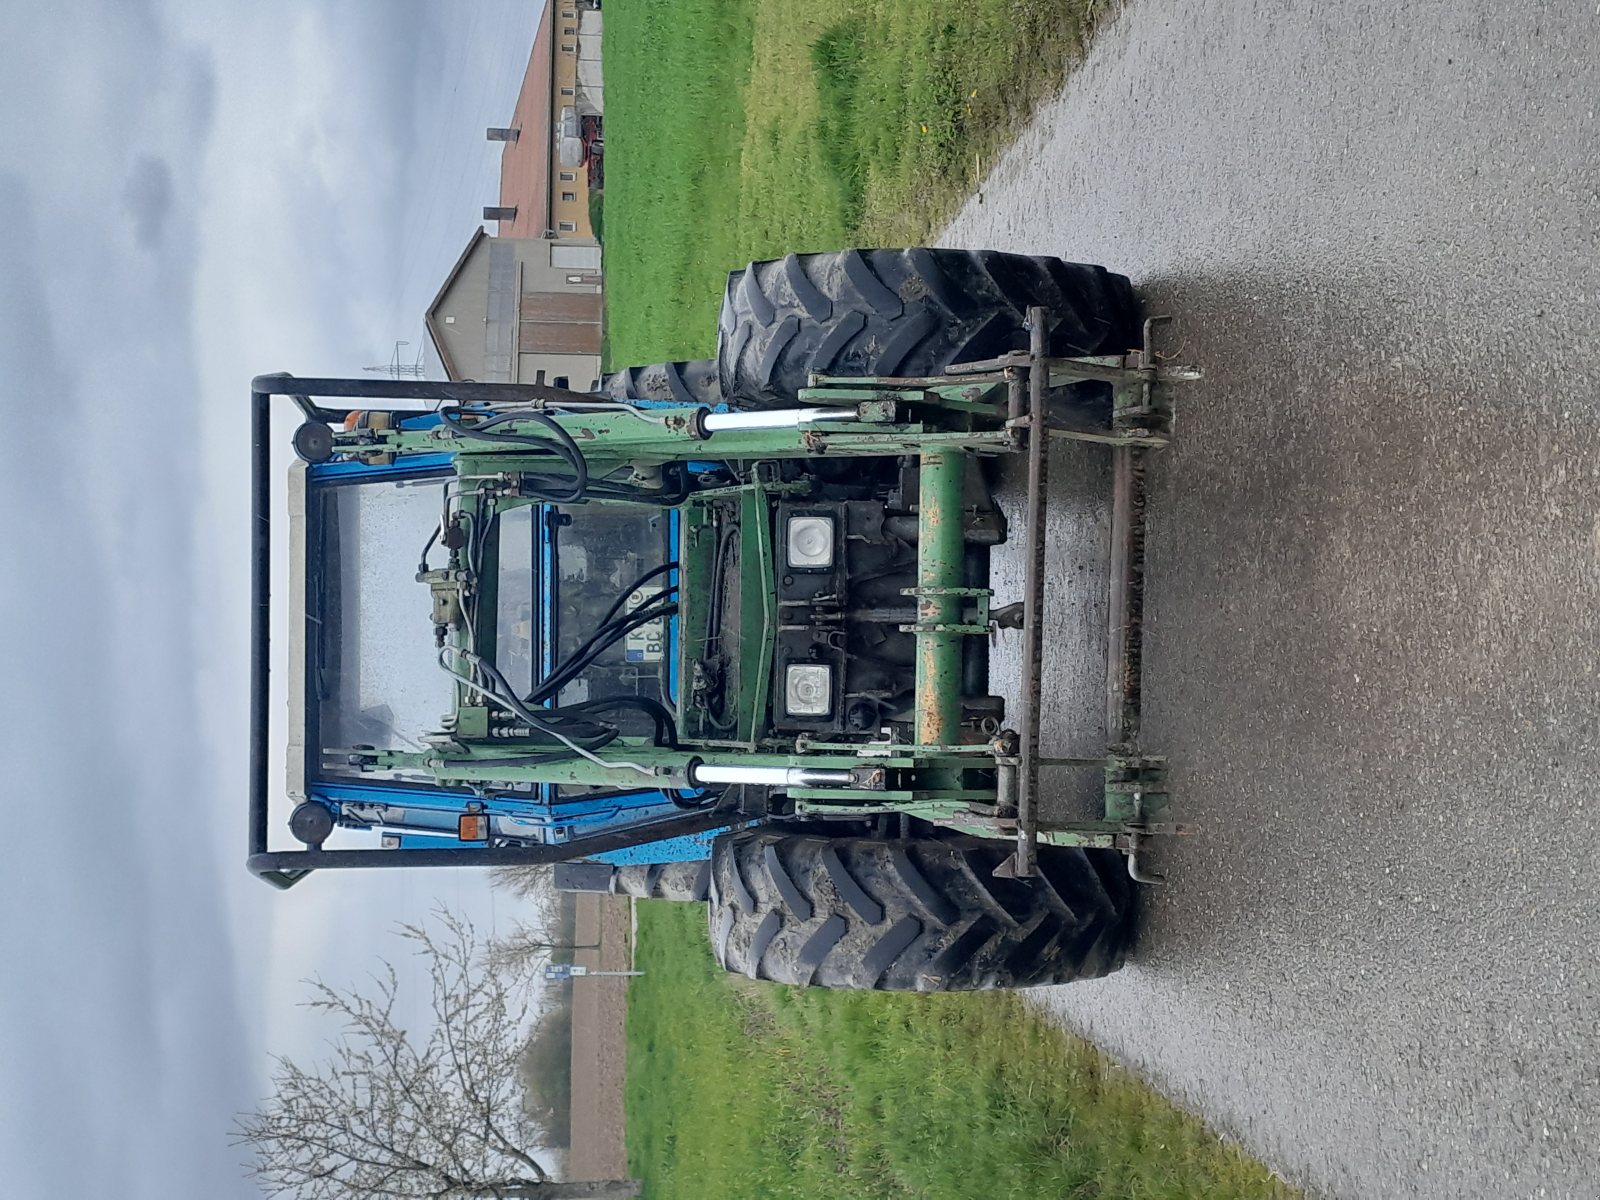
[940,490]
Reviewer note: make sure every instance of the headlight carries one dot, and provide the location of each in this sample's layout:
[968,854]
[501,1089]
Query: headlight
[810,541]
[808,689]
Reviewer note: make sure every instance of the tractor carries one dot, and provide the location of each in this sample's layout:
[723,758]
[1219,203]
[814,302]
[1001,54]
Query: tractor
[719,631]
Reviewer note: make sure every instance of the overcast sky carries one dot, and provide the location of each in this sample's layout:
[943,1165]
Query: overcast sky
[190,193]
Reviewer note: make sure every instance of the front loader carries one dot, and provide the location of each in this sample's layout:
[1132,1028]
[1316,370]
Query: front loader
[720,630]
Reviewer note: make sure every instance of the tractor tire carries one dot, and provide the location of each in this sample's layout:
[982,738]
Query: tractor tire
[691,382]
[909,312]
[688,880]
[914,915]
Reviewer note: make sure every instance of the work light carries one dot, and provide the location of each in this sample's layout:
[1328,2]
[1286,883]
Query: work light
[809,541]
[808,689]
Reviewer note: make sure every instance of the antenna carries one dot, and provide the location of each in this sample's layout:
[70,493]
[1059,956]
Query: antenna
[397,369]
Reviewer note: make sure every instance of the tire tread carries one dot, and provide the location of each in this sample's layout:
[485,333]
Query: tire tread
[908,312]
[914,914]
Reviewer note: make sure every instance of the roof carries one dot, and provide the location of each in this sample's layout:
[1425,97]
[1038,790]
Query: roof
[431,317]
[525,163]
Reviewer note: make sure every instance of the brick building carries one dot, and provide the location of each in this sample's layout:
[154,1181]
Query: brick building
[528,303]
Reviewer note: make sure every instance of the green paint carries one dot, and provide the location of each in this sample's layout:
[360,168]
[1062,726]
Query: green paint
[939,554]
[936,777]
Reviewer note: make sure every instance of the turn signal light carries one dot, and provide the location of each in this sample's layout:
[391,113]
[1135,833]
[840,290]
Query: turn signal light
[473,827]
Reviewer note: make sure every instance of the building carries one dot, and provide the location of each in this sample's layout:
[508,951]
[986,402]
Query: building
[522,310]
[554,154]
[527,305]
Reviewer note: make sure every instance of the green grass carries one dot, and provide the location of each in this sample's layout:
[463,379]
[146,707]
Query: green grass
[741,129]
[741,1090]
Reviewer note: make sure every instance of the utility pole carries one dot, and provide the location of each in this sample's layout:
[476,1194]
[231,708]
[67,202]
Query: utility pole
[397,369]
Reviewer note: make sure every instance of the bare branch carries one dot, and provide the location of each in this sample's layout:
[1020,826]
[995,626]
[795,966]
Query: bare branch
[533,884]
[391,1115]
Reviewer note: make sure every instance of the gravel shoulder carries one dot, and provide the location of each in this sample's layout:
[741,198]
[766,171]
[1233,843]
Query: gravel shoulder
[1373,572]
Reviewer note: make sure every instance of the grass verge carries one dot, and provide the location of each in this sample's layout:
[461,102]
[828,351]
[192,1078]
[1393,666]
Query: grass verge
[742,129]
[740,1090]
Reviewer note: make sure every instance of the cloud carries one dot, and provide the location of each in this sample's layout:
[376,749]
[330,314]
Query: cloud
[92,964]
[366,171]
[118,1024]
[147,197]
[120,1015]
[190,193]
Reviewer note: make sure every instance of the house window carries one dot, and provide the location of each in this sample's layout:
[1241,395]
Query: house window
[569,33]
[571,16]
[569,197]
[570,279]
[566,48]
[567,227]
[567,92]
[562,381]
[568,177]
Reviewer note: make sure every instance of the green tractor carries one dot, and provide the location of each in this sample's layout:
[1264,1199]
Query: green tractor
[720,630]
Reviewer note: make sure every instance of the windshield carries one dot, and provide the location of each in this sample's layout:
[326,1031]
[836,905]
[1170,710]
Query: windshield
[373,675]
[376,672]
[595,555]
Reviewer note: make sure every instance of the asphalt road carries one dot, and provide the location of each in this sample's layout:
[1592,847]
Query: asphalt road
[1373,572]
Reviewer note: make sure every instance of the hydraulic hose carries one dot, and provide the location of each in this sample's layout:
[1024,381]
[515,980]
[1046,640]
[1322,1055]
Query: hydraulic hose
[606,637]
[561,446]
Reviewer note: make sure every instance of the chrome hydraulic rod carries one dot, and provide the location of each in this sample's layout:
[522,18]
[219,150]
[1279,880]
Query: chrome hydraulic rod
[802,777]
[778,418]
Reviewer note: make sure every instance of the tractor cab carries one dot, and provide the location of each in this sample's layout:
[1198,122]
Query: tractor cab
[399,571]
[421,604]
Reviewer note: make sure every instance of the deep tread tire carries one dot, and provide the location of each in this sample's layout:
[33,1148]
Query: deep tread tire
[905,312]
[688,881]
[693,381]
[914,915]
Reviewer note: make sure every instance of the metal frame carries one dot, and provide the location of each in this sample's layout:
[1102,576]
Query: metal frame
[1135,787]
[993,407]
